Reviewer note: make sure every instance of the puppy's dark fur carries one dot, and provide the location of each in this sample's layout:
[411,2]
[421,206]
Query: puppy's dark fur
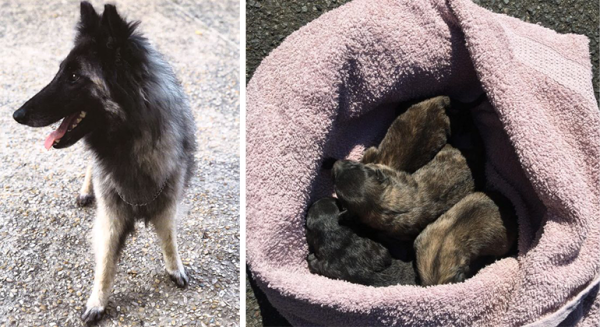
[476,227]
[341,252]
[414,138]
[400,204]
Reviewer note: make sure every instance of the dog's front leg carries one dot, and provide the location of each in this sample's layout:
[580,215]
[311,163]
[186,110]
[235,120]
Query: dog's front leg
[165,225]
[109,234]
[86,193]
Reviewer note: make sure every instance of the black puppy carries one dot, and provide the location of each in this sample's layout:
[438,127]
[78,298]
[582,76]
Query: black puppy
[342,252]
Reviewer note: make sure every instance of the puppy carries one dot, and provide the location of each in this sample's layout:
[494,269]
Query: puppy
[340,252]
[476,227]
[414,138]
[400,204]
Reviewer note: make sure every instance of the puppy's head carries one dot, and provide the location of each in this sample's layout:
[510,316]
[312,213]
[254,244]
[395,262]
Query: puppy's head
[321,220]
[438,259]
[358,186]
[372,191]
[84,90]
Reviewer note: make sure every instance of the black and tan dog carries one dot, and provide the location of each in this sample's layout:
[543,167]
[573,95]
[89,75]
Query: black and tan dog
[341,252]
[477,227]
[119,95]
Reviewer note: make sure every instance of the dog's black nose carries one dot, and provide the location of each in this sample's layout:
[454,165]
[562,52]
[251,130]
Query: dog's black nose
[19,116]
[328,163]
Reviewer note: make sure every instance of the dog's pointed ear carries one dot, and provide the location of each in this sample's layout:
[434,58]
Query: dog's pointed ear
[118,29]
[89,18]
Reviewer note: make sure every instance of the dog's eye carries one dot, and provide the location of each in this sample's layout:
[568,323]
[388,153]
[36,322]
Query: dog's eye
[73,78]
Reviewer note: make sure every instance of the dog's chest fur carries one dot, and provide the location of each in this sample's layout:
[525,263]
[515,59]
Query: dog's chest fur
[148,175]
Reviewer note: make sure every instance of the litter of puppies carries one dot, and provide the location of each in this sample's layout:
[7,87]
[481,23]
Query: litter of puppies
[415,209]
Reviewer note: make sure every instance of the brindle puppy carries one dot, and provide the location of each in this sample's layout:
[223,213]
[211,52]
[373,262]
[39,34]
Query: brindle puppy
[414,138]
[341,252]
[400,204]
[476,227]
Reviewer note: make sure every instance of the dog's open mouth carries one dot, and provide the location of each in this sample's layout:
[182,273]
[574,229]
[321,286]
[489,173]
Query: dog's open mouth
[66,126]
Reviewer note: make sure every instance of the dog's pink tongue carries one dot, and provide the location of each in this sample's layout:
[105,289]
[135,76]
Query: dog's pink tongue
[51,138]
[60,132]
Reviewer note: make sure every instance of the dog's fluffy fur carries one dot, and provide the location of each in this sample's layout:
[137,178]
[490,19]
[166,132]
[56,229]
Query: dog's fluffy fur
[476,227]
[341,252]
[140,129]
[414,138]
[400,204]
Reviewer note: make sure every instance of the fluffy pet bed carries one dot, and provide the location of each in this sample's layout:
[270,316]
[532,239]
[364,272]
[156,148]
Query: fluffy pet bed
[330,91]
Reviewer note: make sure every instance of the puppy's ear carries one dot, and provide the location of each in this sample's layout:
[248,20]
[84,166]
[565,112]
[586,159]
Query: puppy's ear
[370,155]
[89,18]
[116,27]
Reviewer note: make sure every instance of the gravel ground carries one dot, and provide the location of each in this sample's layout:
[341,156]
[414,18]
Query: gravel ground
[46,264]
[269,22]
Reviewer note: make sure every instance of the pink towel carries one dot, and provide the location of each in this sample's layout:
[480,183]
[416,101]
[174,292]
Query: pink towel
[329,91]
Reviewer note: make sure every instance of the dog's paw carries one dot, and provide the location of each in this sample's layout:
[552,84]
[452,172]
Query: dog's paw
[311,257]
[84,200]
[179,278]
[92,315]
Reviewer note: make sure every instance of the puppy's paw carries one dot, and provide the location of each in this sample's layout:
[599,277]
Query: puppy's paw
[84,200]
[92,314]
[311,257]
[179,278]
